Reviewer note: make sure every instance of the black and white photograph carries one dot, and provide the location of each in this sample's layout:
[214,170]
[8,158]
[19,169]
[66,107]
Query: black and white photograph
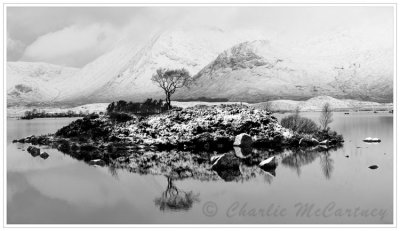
[199,114]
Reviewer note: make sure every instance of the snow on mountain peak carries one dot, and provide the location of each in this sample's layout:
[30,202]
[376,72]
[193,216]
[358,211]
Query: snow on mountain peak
[241,65]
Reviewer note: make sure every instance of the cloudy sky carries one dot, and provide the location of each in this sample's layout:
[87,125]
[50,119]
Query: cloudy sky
[74,36]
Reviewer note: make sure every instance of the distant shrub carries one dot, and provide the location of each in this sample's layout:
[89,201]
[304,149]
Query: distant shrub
[326,116]
[299,124]
[120,117]
[150,106]
[35,113]
[330,135]
[93,116]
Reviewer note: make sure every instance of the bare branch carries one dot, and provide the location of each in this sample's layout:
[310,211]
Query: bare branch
[170,80]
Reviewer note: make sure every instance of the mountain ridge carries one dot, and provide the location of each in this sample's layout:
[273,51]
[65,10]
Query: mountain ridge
[234,66]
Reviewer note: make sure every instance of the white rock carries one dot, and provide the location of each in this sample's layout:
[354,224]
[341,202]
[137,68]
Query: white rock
[270,162]
[243,140]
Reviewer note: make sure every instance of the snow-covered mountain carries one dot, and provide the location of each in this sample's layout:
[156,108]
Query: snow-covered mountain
[259,71]
[35,82]
[126,71]
[236,65]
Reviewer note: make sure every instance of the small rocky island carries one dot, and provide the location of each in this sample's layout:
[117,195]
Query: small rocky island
[202,142]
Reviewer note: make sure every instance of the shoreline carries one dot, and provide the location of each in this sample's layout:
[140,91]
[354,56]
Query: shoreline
[276,106]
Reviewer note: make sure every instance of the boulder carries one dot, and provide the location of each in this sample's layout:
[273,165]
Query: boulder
[243,152]
[372,140]
[33,151]
[203,141]
[243,140]
[223,143]
[269,163]
[225,161]
[215,159]
[227,167]
[373,167]
[44,155]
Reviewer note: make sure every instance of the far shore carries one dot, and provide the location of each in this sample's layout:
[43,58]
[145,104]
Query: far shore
[276,106]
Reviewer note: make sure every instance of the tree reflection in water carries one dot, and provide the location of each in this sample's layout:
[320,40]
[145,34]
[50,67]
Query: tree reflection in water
[326,164]
[301,158]
[175,199]
[113,171]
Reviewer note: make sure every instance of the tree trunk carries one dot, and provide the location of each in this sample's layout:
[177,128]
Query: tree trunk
[168,100]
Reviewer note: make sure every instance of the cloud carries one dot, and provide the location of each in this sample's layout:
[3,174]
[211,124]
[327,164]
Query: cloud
[75,45]
[15,48]
[77,35]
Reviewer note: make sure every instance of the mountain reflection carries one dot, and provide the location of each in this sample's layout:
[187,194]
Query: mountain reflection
[174,199]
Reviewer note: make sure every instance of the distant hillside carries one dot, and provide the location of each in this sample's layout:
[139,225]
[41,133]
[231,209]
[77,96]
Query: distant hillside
[259,71]
[35,82]
[316,104]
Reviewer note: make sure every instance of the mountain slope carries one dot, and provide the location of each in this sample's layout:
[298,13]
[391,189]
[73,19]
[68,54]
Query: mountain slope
[35,82]
[260,71]
[125,72]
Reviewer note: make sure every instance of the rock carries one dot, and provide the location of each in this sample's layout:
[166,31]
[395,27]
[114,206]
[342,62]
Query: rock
[243,152]
[97,162]
[227,167]
[33,151]
[229,174]
[44,155]
[215,159]
[347,156]
[64,146]
[324,142]
[269,163]
[307,141]
[373,167]
[226,161]
[223,143]
[203,141]
[243,140]
[372,140]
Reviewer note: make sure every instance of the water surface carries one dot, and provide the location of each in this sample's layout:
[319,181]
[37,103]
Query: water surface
[62,190]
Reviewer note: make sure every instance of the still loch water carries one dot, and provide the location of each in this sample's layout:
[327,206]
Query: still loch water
[62,190]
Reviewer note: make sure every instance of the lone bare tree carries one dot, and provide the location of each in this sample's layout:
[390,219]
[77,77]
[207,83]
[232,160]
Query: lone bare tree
[326,116]
[170,80]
